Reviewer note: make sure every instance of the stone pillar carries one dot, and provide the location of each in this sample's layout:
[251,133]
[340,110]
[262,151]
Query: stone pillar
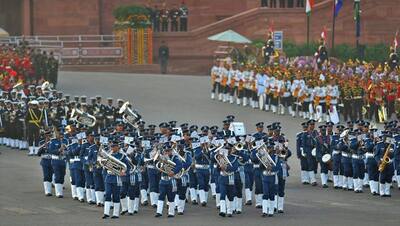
[26,18]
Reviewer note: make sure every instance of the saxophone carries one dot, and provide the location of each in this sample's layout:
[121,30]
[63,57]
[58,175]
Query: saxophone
[386,158]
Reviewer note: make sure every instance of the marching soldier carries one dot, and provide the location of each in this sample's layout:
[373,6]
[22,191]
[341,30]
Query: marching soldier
[382,153]
[393,59]
[33,120]
[167,183]
[113,184]
[45,162]
[57,149]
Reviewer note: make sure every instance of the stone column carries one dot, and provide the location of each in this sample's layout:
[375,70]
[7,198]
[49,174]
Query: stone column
[26,18]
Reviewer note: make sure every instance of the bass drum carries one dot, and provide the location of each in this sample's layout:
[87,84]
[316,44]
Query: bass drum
[327,159]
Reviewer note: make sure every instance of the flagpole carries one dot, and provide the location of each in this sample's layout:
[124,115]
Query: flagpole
[333,28]
[308,30]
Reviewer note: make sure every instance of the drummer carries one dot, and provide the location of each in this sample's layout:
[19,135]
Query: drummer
[323,154]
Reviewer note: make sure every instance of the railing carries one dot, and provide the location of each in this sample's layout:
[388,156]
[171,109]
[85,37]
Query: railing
[76,49]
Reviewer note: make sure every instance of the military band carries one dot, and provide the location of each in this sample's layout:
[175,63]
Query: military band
[357,155]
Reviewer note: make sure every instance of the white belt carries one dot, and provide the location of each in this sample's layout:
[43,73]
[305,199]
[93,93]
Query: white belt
[75,159]
[199,166]
[223,173]
[56,157]
[354,156]
[86,157]
[369,155]
[150,167]
[166,178]
[46,156]
[335,152]
[256,165]
[110,117]
[268,173]
[345,155]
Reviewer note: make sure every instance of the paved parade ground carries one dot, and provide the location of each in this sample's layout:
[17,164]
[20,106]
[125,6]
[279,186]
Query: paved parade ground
[185,99]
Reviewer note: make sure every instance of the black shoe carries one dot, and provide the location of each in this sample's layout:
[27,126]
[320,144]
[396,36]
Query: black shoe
[270,215]
[375,194]
[203,204]
[105,216]
[124,212]
[350,189]
[214,196]
[76,198]
[135,212]
[366,185]
[194,202]
[158,215]
[171,216]
[49,194]
[229,215]
[82,200]
[98,205]
[264,215]
[114,217]
[336,187]
[275,210]
[130,214]
[154,206]
[222,214]
[305,183]
[258,207]
[248,203]
[314,184]
[92,203]
[145,203]
[60,196]
[180,213]
[324,186]
[238,212]
[330,181]
[345,189]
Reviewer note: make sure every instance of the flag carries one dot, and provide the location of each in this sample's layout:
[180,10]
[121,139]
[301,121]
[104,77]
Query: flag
[338,6]
[395,42]
[309,6]
[324,34]
[271,29]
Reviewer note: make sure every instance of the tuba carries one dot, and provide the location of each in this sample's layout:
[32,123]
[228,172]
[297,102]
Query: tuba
[167,166]
[46,86]
[83,117]
[109,162]
[130,116]
[264,157]
[221,157]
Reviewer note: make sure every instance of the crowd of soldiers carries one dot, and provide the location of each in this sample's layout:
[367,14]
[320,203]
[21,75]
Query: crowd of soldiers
[311,87]
[282,3]
[25,65]
[355,155]
[169,19]
[177,163]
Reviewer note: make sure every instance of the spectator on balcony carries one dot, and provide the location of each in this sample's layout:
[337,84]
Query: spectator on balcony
[174,15]
[272,4]
[264,3]
[183,16]
[156,18]
[300,3]
[290,3]
[164,14]
[282,3]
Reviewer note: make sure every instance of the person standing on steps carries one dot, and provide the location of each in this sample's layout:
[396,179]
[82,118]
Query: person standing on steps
[163,56]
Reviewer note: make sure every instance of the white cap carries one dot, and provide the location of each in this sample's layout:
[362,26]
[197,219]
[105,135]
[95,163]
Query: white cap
[34,102]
